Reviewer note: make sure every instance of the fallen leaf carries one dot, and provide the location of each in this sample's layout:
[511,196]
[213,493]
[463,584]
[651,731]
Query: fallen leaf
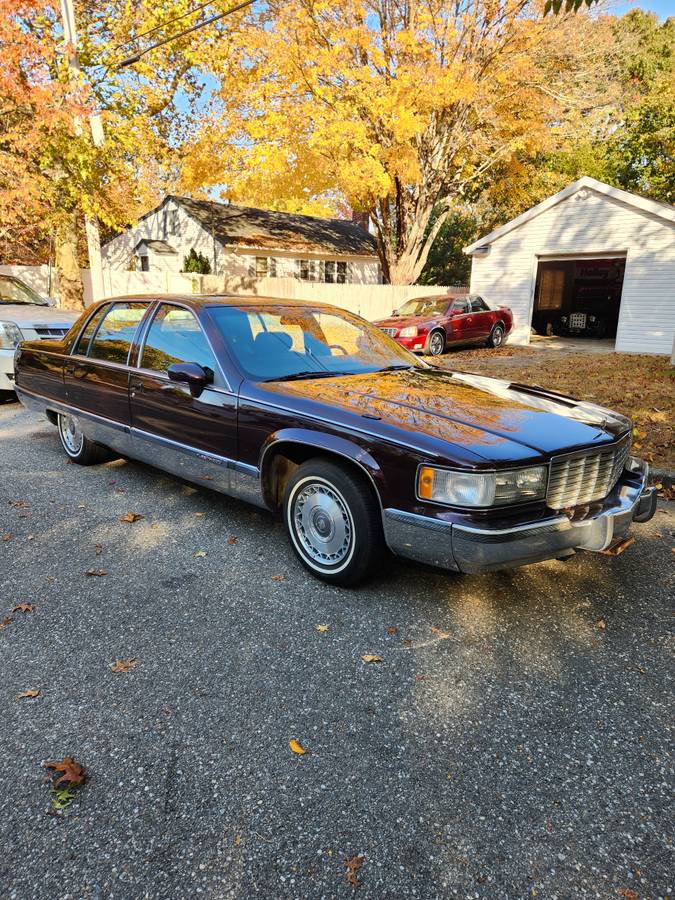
[277,577]
[95,573]
[131,517]
[392,630]
[31,692]
[18,504]
[443,635]
[6,621]
[124,665]
[72,772]
[7,537]
[616,549]
[371,658]
[23,607]
[601,624]
[232,539]
[98,549]
[237,840]
[200,553]
[353,864]
[61,799]
[628,893]
[297,747]
[322,628]
[199,514]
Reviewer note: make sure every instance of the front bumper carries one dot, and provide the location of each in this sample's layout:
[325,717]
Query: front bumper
[479,548]
[6,370]
[416,344]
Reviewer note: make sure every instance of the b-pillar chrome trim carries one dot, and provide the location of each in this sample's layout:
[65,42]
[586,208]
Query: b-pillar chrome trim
[220,473]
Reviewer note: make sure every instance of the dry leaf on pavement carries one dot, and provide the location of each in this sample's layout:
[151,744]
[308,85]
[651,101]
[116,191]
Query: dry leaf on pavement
[7,537]
[371,658]
[297,747]
[353,864]
[95,573]
[98,549]
[23,607]
[200,553]
[277,577]
[131,517]
[72,772]
[232,539]
[5,622]
[25,695]
[322,628]
[392,629]
[601,624]
[443,635]
[124,665]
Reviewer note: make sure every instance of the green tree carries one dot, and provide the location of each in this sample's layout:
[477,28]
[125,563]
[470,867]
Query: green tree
[196,262]
[447,264]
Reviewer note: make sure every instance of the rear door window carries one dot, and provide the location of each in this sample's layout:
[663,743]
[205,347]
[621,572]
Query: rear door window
[82,347]
[115,334]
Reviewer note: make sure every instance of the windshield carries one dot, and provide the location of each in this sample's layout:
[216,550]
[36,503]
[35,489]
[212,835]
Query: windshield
[271,343]
[12,291]
[425,306]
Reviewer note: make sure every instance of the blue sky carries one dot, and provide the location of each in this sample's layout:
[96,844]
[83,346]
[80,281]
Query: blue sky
[662,8]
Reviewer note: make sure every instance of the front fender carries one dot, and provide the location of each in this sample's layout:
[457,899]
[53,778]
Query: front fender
[327,443]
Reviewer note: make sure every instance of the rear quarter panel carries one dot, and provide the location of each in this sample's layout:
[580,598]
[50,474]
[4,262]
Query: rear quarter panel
[39,368]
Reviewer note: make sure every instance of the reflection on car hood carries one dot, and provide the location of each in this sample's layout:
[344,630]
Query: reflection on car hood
[33,314]
[488,417]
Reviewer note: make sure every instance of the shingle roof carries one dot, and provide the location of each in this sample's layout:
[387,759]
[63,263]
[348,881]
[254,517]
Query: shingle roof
[246,226]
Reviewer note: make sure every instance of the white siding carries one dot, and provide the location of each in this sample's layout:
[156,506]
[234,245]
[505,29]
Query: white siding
[118,254]
[587,223]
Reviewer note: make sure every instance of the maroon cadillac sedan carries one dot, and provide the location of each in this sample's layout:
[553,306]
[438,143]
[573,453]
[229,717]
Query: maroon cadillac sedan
[430,324]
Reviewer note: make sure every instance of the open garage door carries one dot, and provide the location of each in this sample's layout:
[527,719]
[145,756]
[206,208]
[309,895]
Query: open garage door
[578,297]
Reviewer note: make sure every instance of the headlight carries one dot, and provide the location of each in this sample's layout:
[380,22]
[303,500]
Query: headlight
[10,336]
[591,319]
[481,488]
[563,318]
[410,331]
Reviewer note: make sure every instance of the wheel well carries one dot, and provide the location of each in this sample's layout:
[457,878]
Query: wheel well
[52,416]
[281,462]
[500,322]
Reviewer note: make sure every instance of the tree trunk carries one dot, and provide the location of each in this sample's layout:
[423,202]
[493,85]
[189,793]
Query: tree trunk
[69,280]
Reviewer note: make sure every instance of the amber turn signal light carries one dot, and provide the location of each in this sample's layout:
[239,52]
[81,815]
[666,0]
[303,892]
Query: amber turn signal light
[426,482]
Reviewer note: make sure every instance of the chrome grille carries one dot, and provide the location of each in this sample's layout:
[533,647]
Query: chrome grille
[583,478]
[578,320]
[392,332]
[52,331]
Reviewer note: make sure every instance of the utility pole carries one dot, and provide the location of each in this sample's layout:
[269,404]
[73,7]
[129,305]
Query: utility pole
[98,137]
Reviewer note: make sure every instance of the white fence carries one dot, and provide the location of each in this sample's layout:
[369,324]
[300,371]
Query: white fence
[372,301]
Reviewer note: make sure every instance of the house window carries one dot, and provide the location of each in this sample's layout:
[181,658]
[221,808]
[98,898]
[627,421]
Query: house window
[329,271]
[342,272]
[174,222]
[309,269]
[261,267]
[145,263]
[272,267]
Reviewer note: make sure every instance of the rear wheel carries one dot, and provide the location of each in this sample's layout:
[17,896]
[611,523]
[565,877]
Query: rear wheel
[496,338]
[78,447]
[436,343]
[333,521]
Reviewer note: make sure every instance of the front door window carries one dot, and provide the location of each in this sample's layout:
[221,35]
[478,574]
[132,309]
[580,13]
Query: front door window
[175,336]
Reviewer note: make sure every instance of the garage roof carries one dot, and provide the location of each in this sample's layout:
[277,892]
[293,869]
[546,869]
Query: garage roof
[662,210]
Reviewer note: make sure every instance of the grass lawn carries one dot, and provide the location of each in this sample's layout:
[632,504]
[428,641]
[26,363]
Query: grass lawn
[640,386]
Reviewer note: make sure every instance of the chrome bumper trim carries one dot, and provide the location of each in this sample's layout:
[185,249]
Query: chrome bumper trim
[471,549]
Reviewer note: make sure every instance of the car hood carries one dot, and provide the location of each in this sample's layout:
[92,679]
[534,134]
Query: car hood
[403,321]
[32,314]
[483,418]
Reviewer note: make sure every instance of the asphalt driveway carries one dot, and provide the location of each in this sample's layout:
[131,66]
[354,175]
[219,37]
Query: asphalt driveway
[513,741]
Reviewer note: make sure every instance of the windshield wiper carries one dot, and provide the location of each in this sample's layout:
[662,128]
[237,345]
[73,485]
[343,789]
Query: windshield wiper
[21,302]
[396,368]
[298,376]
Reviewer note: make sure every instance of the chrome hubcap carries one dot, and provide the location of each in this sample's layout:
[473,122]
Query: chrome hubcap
[71,435]
[322,523]
[436,344]
[497,337]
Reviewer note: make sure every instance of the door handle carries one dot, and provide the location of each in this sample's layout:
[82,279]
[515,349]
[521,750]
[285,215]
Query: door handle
[136,385]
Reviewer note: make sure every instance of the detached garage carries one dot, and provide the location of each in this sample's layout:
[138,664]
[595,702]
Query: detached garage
[591,262]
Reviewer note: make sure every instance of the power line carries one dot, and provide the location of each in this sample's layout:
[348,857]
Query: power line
[130,60]
[159,27]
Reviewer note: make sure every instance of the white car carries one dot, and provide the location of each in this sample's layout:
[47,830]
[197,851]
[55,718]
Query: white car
[25,316]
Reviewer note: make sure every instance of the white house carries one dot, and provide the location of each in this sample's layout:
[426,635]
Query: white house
[589,249]
[242,242]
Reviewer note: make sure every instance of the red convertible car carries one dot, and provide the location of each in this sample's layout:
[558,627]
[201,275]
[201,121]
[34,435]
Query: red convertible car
[429,324]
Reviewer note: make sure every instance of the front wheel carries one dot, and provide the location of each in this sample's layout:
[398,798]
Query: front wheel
[436,344]
[333,521]
[496,338]
[78,447]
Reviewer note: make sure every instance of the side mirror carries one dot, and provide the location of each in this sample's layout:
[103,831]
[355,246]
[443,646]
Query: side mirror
[394,312]
[191,374]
